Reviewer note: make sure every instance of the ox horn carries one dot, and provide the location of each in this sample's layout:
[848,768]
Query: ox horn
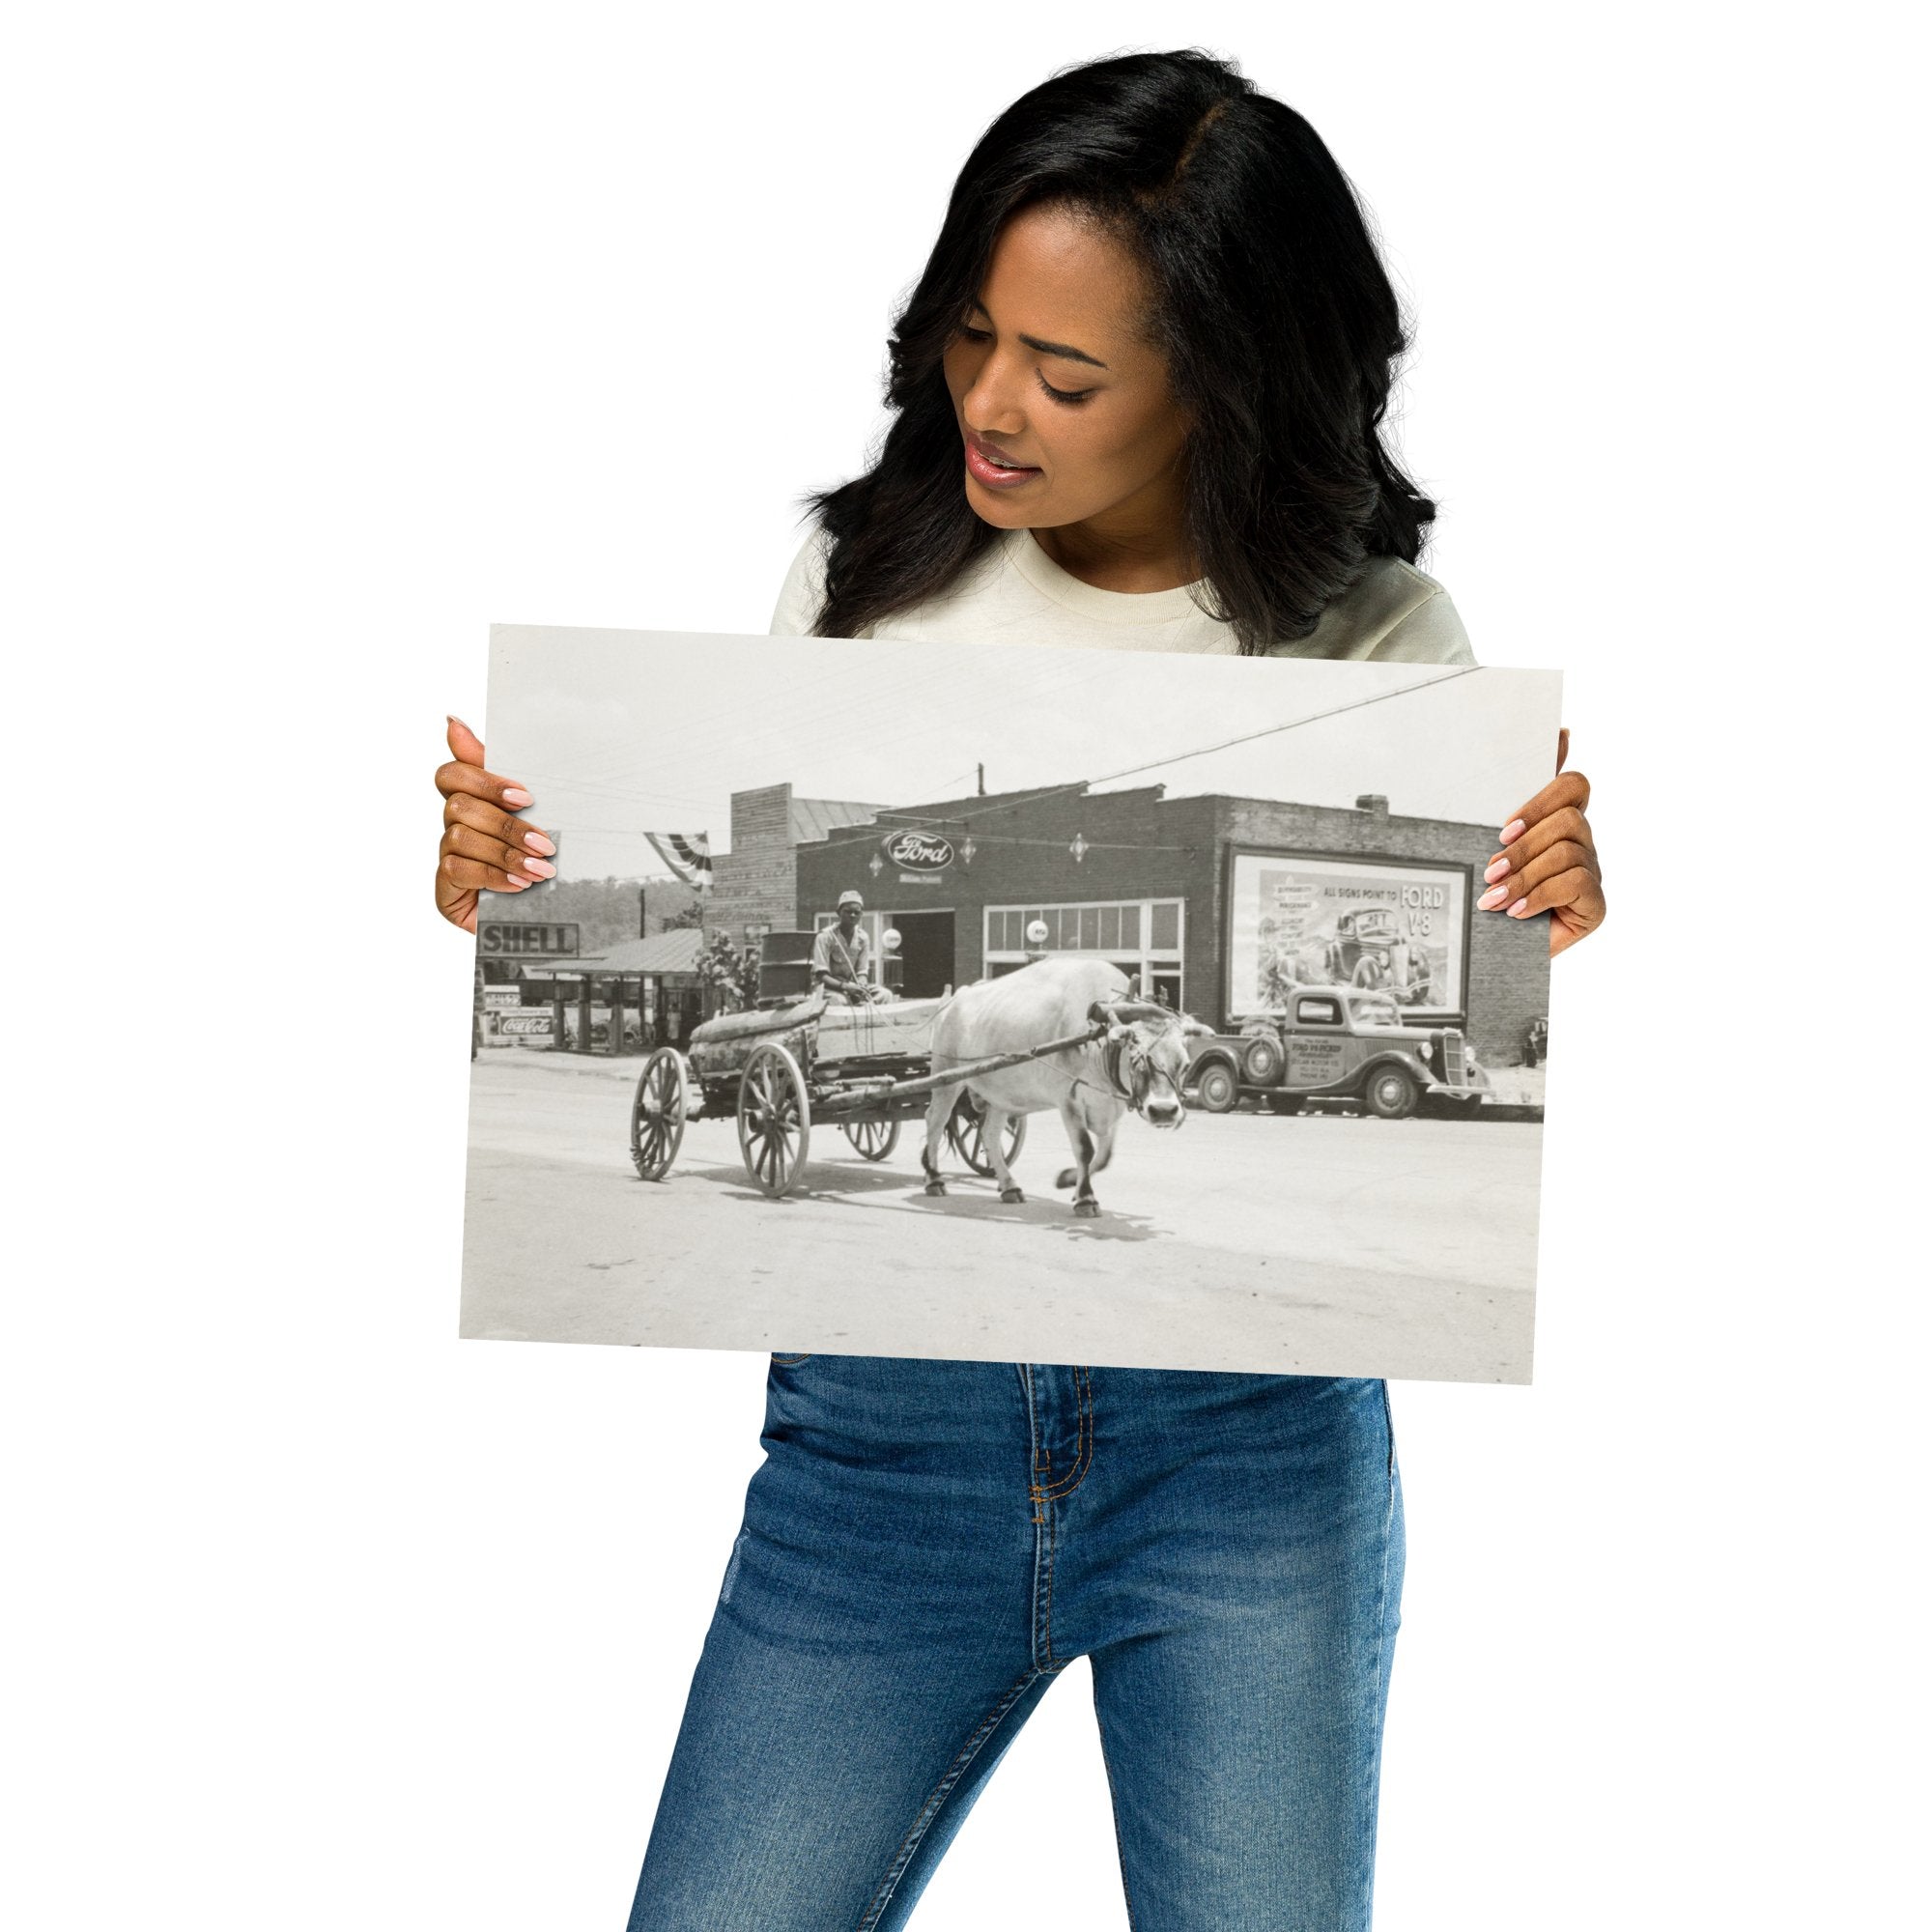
[1123,1013]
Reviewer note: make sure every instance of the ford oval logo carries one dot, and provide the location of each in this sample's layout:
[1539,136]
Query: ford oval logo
[918,851]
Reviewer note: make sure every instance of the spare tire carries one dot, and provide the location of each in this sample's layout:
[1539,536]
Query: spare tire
[1262,1063]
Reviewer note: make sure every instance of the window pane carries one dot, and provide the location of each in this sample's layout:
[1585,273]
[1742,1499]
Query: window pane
[1008,940]
[1069,927]
[1167,988]
[1166,926]
[1089,928]
[1110,926]
[1130,925]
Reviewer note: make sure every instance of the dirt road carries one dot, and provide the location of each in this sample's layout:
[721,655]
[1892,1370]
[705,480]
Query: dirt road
[1315,1245]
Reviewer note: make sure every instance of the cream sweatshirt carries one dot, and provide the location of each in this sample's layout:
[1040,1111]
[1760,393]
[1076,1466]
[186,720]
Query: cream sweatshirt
[1016,593]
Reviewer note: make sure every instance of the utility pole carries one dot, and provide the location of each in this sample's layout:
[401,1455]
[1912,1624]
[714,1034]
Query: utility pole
[982,781]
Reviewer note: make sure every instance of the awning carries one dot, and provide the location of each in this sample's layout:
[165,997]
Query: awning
[673,952]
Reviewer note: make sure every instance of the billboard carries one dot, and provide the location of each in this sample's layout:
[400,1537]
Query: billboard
[1400,925]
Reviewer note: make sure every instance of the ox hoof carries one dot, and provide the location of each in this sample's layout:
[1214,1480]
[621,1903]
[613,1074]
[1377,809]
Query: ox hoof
[1065,1177]
[1087,1210]
[935,1187]
[1011,1196]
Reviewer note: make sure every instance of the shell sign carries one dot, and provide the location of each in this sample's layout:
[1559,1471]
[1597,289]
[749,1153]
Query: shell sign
[918,852]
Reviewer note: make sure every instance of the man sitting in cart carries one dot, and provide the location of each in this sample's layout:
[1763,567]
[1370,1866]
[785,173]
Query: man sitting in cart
[841,953]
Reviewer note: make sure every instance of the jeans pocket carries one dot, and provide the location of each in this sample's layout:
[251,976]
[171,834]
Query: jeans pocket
[789,1361]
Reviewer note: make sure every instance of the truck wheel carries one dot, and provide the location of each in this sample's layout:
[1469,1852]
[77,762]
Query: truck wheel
[1216,1088]
[1391,1094]
[1262,1063]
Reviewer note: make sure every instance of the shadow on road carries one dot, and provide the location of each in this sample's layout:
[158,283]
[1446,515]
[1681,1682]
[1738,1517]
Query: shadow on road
[861,1183]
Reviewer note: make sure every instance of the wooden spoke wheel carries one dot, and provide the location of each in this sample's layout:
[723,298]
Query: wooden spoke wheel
[658,1113]
[874,1139]
[774,1119]
[967,1131]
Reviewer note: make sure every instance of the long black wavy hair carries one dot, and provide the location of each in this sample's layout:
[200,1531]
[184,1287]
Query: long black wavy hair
[1272,308]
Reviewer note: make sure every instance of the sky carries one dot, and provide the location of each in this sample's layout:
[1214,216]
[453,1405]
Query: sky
[622,733]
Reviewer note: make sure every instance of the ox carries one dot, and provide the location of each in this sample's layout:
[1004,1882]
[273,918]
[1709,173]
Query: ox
[1137,1064]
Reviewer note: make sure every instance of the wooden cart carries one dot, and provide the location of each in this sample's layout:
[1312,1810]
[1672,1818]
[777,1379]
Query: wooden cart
[779,1068]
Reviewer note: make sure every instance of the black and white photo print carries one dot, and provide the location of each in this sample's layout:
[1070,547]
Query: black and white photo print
[996,1001]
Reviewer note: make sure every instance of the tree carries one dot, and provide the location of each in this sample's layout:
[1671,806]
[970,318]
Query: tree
[730,974]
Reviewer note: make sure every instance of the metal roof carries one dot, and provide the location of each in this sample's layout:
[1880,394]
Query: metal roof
[812,818]
[673,951]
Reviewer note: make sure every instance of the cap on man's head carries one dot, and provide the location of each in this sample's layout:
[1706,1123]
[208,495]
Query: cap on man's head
[850,898]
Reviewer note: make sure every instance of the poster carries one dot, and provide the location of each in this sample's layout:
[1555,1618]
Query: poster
[1401,926]
[1175,1040]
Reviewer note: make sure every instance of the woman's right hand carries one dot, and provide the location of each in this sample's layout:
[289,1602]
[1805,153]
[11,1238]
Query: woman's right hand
[485,847]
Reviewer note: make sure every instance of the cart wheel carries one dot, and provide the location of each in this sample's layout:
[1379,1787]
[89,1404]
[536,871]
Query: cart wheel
[874,1139]
[774,1119]
[967,1131]
[658,1113]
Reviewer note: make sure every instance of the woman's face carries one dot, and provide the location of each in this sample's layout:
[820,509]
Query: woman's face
[1064,407]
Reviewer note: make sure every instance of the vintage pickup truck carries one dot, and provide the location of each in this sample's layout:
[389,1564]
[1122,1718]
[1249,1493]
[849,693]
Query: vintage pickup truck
[1340,1042]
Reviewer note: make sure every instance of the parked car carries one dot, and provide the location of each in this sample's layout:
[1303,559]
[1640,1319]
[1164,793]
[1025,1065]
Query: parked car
[1375,945]
[1335,1041]
[1536,1042]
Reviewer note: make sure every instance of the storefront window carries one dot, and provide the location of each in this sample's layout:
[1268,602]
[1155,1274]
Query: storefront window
[1142,937]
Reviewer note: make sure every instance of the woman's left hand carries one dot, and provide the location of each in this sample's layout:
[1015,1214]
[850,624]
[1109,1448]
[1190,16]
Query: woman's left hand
[1548,861]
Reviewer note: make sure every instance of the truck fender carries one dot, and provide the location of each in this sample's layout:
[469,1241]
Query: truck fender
[1417,1070]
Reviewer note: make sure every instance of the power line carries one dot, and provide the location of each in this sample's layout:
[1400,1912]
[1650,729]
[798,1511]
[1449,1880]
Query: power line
[969,814]
[1228,744]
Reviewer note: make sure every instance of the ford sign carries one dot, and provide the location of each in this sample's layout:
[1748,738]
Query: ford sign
[916,851]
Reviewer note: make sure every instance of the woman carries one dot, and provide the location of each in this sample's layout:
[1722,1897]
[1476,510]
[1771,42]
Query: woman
[1137,397]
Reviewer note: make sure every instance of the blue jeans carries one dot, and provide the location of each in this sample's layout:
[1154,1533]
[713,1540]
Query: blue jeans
[928,1544]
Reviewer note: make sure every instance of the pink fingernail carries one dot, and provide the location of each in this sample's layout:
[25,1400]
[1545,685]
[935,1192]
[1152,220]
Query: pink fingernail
[537,842]
[1492,898]
[1513,829]
[516,795]
[540,868]
[1516,911]
[516,884]
[1498,868]
[455,719]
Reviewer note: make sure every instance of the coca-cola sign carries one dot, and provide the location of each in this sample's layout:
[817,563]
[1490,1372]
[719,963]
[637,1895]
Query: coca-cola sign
[918,851]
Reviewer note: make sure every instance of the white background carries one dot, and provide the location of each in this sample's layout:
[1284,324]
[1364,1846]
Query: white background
[338,335]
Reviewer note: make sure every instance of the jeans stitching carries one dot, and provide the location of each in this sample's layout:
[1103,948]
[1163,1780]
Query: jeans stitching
[1083,1447]
[1046,1615]
[1114,1806]
[909,1844]
[1365,1808]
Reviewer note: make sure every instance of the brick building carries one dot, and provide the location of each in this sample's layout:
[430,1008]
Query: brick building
[755,886]
[1214,902]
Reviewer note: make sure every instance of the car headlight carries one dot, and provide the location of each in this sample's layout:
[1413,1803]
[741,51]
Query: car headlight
[1427,1049]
